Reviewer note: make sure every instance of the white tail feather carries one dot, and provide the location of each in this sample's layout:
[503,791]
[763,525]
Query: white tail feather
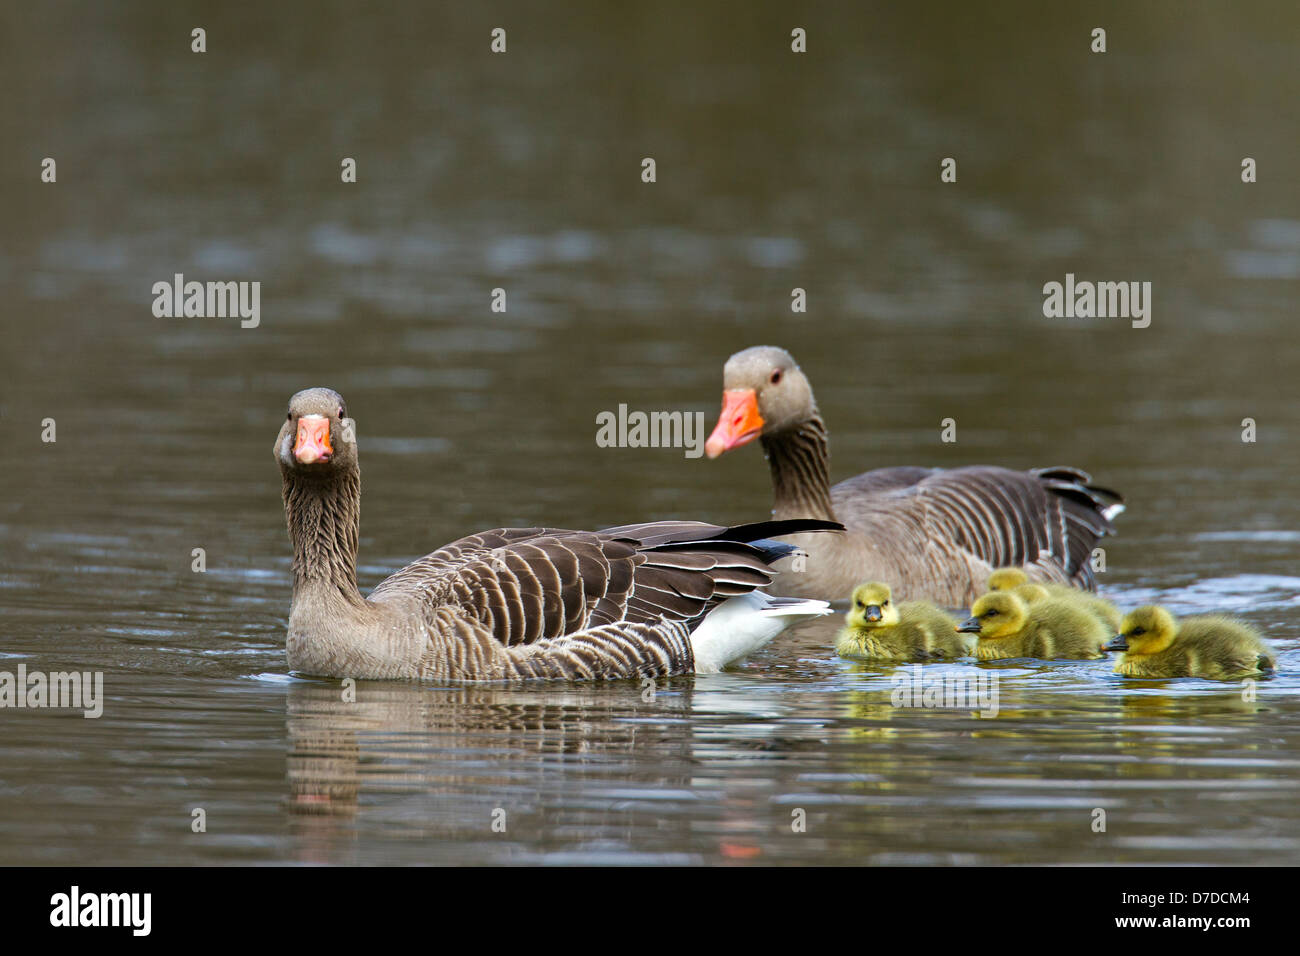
[739,626]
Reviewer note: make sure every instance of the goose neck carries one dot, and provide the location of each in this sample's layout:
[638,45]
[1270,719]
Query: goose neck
[324,518]
[799,461]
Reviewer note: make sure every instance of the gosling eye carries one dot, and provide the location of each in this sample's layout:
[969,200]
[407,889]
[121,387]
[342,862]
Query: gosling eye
[776,377]
[1137,632]
[860,604]
[991,614]
[884,604]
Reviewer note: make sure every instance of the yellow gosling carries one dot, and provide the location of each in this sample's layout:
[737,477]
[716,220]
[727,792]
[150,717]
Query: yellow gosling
[1005,579]
[1015,579]
[881,629]
[1156,644]
[1031,593]
[1049,629]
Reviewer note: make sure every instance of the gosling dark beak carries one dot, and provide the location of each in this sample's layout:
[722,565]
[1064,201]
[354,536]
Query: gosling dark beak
[969,626]
[1117,643]
[872,612]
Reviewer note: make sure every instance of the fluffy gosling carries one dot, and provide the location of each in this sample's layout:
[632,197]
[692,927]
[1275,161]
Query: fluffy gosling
[1006,579]
[1050,629]
[1031,593]
[1014,579]
[1155,644]
[881,629]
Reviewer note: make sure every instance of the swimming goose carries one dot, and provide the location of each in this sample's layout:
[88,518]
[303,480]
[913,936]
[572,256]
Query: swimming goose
[1015,579]
[1155,644]
[883,629]
[645,600]
[933,534]
[1049,630]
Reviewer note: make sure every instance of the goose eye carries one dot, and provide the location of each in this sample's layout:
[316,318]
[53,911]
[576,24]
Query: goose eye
[288,417]
[776,377]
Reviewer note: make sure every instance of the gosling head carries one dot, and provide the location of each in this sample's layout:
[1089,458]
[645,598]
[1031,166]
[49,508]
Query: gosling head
[1004,579]
[763,392]
[317,437]
[996,614]
[872,606]
[1031,593]
[1147,630]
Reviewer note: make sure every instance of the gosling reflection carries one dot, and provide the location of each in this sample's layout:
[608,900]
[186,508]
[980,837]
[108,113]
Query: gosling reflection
[1186,708]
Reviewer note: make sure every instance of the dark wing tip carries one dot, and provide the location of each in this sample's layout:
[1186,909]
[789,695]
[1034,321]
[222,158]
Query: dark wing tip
[760,530]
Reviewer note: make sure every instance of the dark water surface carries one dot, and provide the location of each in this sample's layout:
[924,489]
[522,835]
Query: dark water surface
[521,171]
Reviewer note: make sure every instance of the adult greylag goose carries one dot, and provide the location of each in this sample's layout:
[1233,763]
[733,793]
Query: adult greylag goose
[645,600]
[933,534]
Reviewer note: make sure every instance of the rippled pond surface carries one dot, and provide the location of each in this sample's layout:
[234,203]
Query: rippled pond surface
[522,172]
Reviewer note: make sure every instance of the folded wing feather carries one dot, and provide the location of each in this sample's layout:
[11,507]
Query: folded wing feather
[576,604]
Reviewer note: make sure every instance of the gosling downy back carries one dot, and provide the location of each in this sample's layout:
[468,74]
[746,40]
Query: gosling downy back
[1031,590]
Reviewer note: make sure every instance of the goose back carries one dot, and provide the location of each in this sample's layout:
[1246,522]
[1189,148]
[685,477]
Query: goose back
[555,603]
[938,533]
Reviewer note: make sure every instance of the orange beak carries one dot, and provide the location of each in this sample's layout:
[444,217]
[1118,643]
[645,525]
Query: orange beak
[313,442]
[738,424]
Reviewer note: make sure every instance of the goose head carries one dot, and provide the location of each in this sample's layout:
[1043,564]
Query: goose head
[872,606]
[1004,579]
[1146,630]
[995,615]
[764,392]
[317,437]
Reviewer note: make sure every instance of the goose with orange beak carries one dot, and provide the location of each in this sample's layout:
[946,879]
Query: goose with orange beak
[934,534]
[312,443]
[655,599]
[739,424]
